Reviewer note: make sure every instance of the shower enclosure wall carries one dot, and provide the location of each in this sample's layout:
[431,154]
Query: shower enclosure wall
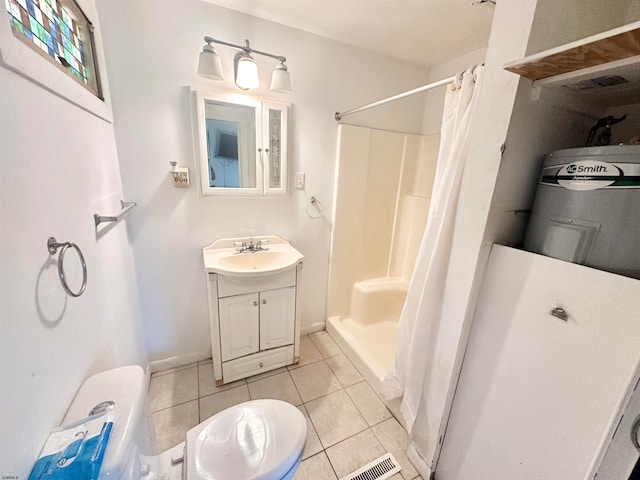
[383,190]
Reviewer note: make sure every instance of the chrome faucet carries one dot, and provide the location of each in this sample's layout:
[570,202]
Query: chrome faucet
[243,247]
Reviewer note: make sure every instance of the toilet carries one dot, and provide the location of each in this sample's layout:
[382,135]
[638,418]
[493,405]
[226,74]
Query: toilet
[255,440]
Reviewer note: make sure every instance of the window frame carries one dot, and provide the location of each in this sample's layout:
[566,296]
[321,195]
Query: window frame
[22,59]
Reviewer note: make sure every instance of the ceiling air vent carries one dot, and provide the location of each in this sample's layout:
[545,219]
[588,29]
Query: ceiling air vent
[599,82]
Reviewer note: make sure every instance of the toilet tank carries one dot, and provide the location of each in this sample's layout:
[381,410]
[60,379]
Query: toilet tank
[132,440]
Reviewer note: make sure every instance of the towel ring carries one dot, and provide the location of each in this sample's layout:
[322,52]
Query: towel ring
[52,246]
[314,201]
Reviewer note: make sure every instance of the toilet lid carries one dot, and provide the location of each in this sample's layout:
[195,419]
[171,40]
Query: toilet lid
[260,439]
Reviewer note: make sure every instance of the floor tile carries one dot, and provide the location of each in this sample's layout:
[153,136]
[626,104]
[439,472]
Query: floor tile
[344,370]
[315,468]
[279,386]
[312,444]
[173,388]
[368,403]
[309,353]
[394,439]
[343,413]
[171,424]
[325,344]
[335,418]
[270,373]
[212,404]
[354,453]
[207,384]
[315,380]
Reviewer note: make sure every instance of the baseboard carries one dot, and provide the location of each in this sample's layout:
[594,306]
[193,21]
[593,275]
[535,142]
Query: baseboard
[316,327]
[418,462]
[178,361]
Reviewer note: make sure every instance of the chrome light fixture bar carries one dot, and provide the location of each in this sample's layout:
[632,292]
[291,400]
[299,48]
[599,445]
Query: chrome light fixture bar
[245,72]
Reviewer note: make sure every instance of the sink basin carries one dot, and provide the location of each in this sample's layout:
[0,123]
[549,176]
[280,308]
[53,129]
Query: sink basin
[260,260]
[222,257]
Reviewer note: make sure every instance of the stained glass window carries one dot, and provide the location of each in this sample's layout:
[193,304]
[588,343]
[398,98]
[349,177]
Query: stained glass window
[60,31]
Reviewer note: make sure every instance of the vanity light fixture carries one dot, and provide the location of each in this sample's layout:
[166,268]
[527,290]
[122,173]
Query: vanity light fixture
[245,68]
[280,79]
[246,71]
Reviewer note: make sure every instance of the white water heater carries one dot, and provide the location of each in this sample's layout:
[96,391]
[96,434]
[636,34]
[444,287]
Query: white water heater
[587,208]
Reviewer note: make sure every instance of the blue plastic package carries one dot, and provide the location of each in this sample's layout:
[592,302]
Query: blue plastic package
[74,452]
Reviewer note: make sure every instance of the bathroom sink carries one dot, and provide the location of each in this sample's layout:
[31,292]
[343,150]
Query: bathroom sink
[260,260]
[278,256]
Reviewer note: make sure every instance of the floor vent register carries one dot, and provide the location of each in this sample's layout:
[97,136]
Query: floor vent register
[380,469]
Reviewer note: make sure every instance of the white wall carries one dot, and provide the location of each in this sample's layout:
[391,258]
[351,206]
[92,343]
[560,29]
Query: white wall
[557,23]
[58,167]
[152,51]
[628,128]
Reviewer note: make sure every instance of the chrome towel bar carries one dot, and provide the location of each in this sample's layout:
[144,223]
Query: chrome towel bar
[126,207]
[52,246]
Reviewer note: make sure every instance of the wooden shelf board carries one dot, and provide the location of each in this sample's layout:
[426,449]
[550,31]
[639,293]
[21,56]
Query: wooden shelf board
[605,47]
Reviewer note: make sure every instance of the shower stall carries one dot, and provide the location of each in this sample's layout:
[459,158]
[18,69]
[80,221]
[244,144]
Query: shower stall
[383,191]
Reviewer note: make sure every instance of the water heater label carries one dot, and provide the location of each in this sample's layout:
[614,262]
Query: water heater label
[592,175]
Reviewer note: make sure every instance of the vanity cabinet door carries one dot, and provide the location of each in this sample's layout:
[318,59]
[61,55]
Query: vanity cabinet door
[239,326]
[277,317]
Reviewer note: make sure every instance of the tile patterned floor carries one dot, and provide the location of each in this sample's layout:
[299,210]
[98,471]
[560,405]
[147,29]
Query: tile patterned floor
[347,424]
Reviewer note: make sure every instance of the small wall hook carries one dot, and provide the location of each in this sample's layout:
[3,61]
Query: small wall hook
[560,313]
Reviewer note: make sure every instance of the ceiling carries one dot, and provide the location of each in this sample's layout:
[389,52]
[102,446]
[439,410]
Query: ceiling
[425,32]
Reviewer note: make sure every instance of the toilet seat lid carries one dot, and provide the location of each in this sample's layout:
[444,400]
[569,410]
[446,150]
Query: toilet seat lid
[260,439]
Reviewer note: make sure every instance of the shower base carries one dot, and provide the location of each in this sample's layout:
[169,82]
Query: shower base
[371,348]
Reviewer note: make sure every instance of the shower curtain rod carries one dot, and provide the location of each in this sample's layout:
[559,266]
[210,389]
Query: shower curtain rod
[424,88]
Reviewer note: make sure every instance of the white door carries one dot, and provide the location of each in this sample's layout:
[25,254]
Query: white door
[239,326]
[277,317]
[540,397]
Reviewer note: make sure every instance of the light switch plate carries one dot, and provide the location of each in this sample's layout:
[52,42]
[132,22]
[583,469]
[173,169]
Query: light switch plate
[300,180]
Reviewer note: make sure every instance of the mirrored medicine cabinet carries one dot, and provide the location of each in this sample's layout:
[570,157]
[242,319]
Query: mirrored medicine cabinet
[242,145]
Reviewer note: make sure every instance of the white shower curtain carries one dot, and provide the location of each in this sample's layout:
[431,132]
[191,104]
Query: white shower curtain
[421,314]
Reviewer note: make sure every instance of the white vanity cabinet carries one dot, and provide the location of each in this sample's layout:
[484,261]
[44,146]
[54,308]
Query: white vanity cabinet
[254,323]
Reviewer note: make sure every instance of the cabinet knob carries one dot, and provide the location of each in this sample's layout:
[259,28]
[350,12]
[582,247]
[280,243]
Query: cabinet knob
[264,301]
[261,364]
[255,303]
